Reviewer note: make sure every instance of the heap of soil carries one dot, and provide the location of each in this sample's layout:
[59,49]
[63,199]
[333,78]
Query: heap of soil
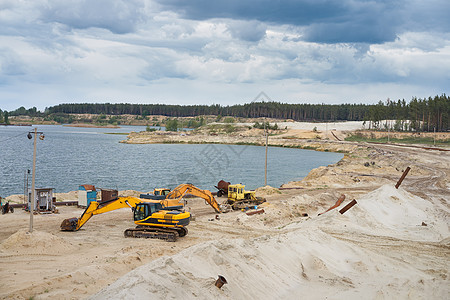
[38,242]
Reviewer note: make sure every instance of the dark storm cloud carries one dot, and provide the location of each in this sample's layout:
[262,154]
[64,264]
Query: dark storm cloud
[327,21]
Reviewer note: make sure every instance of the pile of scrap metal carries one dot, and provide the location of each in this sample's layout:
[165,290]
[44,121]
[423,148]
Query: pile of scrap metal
[6,208]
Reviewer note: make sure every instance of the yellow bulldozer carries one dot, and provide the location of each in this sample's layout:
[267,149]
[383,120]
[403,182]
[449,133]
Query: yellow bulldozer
[239,198]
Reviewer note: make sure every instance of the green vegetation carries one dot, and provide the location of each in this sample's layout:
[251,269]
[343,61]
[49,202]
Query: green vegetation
[428,114]
[195,123]
[358,137]
[172,125]
[265,125]
[229,120]
[223,128]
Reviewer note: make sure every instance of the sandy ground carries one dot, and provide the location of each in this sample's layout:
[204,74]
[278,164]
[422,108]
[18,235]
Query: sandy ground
[393,244]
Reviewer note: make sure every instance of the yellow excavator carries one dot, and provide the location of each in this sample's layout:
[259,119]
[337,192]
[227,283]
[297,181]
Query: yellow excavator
[160,219]
[180,191]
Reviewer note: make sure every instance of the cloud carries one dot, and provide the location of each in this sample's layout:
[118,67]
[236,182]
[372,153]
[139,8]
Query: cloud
[194,51]
[118,16]
[327,21]
[251,31]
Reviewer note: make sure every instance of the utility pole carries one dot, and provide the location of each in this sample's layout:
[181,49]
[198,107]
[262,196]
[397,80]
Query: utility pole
[389,127]
[434,137]
[33,191]
[266,132]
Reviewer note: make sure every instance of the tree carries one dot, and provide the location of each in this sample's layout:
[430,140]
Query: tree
[172,125]
[6,117]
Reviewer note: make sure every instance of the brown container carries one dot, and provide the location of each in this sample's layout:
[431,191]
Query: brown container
[108,195]
[220,281]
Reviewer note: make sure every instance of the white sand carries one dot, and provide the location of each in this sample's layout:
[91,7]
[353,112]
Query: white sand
[379,249]
[341,126]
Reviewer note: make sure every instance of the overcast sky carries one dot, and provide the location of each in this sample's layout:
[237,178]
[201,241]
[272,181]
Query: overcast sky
[221,52]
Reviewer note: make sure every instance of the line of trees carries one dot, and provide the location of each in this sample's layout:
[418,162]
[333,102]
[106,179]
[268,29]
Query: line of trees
[426,114]
[4,117]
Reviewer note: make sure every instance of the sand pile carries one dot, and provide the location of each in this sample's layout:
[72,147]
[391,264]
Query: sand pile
[355,255]
[267,190]
[23,242]
[130,193]
[397,213]
[70,196]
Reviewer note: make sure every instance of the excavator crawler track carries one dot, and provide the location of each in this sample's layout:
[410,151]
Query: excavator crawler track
[170,235]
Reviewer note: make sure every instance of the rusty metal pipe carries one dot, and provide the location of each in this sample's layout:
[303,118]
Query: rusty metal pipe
[348,206]
[403,177]
[220,281]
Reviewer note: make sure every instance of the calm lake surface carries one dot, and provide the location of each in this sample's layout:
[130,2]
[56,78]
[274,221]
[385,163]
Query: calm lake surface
[70,156]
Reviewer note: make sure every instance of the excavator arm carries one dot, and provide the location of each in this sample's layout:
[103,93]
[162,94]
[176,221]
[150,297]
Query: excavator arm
[96,208]
[179,192]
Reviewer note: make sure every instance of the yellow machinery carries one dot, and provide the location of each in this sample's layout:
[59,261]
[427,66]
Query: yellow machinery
[154,218]
[158,194]
[183,189]
[239,198]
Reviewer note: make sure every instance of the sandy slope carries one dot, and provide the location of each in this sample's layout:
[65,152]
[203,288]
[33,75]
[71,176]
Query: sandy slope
[379,249]
[365,253]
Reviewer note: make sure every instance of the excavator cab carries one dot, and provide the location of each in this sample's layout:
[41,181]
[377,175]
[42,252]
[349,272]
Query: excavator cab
[144,210]
[237,192]
[161,192]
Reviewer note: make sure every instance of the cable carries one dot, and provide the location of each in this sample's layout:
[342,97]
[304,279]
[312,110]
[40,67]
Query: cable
[12,137]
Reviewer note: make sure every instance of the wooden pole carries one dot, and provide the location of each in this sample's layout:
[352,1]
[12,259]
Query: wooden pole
[267,140]
[33,192]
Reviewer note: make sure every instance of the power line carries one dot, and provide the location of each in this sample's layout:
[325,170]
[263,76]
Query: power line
[13,137]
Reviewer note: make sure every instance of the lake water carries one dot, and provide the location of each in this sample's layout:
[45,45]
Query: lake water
[70,156]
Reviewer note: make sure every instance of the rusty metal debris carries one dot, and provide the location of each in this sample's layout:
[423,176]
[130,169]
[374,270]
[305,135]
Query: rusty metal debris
[220,281]
[254,212]
[222,187]
[348,206]
[338,202]
[403,177]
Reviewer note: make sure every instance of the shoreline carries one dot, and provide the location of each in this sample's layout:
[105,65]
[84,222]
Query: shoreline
[343,147]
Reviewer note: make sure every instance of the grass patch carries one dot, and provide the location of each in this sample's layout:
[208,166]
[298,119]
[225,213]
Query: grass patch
[405,140]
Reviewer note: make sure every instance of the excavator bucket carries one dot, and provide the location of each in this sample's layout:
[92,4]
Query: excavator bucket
[69,224]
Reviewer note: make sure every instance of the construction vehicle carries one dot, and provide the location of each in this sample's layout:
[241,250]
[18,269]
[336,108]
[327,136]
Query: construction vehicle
[160,219]
[239,198]
[158,194]
[180,191]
